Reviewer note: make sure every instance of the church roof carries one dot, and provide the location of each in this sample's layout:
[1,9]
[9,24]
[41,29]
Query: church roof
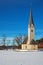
[31,18]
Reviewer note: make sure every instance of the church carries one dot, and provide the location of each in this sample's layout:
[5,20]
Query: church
[30,37]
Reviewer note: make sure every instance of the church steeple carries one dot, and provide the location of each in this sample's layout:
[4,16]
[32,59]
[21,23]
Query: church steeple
[30,28]
[31,18]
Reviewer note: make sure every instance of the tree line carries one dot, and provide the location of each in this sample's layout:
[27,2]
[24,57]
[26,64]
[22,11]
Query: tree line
[17,41]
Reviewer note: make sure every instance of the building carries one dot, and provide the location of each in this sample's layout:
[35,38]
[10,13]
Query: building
[27,45]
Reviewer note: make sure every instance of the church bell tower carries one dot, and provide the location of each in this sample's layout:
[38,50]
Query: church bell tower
[30,28]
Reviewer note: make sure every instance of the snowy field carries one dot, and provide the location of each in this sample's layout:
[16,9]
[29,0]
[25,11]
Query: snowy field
[11,57]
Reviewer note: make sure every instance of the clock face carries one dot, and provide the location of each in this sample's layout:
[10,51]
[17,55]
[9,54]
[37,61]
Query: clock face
[31,30]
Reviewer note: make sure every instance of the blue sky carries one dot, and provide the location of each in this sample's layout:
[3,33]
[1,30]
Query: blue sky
[14,17]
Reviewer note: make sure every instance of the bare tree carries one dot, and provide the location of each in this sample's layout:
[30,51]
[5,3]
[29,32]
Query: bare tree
[25,39]
[8,42]
[4,42]
[4,39]
[19,39]
[13,41]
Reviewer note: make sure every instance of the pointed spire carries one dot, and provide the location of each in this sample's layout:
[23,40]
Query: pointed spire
[31,18]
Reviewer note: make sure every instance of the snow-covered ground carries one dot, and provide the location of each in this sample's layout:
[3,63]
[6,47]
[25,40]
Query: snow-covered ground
[11,57]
